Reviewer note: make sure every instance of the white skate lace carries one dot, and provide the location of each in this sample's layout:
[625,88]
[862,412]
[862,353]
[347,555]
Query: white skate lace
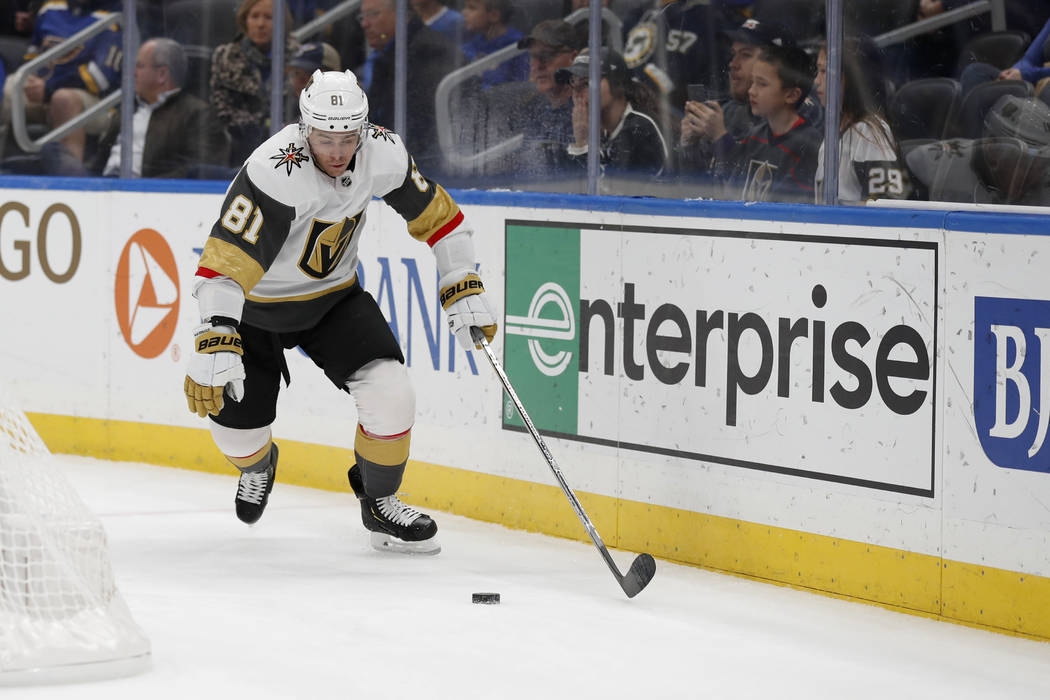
[252,486]
[393,509]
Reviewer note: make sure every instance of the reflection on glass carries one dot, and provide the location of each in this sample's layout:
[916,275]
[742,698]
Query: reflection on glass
[955,110]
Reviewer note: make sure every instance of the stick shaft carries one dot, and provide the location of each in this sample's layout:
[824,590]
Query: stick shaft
[573,500]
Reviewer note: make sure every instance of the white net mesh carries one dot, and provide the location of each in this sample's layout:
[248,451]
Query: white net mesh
[61,615]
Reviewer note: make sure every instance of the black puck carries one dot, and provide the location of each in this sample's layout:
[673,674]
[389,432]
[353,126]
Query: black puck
[485,598]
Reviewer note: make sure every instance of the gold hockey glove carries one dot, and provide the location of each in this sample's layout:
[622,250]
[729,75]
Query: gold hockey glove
[214,367]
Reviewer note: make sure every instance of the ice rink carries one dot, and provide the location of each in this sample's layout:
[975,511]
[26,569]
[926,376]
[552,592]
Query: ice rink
[299,606]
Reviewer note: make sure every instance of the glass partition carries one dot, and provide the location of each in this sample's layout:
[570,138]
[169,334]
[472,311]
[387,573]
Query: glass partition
[941,100]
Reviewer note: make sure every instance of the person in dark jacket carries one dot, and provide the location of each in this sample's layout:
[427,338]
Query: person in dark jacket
[174,131]
[431,56]
[631,142]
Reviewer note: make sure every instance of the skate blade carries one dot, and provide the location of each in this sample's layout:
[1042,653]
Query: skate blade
[382,542]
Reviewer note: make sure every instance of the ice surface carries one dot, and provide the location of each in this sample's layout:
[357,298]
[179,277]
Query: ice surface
[299,606]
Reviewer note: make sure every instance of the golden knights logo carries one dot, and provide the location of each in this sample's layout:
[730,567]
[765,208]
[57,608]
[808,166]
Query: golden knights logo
[379,132]
[289,157]
[326,245]
[760,175]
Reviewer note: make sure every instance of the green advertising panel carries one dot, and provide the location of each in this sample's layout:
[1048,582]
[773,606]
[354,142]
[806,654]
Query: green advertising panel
[542,345]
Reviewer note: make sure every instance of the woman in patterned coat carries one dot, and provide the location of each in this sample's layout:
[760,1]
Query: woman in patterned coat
[240,77]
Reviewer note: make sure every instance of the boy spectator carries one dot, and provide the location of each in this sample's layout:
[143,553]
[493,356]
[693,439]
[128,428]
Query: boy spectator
[173,131]
[487,21]
[777,159]
[706,121]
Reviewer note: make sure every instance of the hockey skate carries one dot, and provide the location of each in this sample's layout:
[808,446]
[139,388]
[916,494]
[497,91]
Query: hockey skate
[394,526]
[253,488]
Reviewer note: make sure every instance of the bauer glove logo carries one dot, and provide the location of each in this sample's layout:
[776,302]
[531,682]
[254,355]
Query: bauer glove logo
[471,284]
[219,342]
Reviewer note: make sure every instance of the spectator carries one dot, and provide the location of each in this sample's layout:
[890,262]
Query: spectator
[240,77]
[869,160]
[583,25]
[1034,67]
[678,44]
[544,117]
[173,131]
[436,15]
[487,21]
[309,58]
[705,121]
[777,159]
[74,82]
[16,17]
[631,143]
[431,56]
[708,120]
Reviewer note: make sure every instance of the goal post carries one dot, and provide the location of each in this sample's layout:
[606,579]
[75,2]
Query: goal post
[62,618]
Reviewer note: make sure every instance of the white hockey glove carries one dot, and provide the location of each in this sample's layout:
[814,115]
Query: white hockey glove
[464,301]
[215,366]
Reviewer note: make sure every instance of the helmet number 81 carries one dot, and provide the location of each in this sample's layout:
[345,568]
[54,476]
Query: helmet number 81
[238,214]
[337,100]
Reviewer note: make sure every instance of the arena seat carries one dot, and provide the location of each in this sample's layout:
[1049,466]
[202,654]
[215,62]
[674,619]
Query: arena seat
[999,49]
[969,121]
[920,109]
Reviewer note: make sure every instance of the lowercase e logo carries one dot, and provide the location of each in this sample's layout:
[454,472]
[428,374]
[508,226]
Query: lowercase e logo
[536,325]
[1011,362]
[541,348]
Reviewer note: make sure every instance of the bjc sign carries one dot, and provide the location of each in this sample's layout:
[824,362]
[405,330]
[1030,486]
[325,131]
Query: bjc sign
[1011,381]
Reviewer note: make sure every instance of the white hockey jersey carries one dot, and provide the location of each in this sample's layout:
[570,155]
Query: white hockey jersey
[288,233]
[868,166]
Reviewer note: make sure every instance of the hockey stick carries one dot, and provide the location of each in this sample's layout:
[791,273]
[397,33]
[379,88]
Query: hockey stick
[643,568]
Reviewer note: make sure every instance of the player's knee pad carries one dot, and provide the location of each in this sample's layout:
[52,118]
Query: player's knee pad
[386,401]
[243,447]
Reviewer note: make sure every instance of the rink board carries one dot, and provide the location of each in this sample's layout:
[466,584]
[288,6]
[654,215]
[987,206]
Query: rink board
[846,400]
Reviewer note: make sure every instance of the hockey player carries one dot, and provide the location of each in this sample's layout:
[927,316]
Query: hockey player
[279,271]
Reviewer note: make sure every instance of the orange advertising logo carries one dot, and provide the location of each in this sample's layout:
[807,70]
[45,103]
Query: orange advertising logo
[147,293]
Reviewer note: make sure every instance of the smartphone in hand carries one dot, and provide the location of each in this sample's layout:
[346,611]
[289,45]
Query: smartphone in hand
[701,93]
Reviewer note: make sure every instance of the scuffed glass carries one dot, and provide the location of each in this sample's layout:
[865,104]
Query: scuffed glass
[939,100]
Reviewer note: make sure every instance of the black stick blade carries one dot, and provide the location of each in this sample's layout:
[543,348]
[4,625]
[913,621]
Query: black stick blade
[642,570]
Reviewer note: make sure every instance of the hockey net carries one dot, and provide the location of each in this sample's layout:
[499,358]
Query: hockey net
[62,618]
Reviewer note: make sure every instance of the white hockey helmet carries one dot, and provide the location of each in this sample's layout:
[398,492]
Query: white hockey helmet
[334,103]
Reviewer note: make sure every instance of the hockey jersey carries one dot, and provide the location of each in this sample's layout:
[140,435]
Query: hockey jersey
[675,44]
[868,166]
[288,233]
[94,65]
[768,167]
[634,147]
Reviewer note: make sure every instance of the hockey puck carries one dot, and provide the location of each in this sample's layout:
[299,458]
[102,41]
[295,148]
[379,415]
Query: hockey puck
[485,598]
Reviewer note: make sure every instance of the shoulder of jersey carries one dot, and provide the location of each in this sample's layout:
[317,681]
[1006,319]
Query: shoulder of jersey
[384,150]
[283,167]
